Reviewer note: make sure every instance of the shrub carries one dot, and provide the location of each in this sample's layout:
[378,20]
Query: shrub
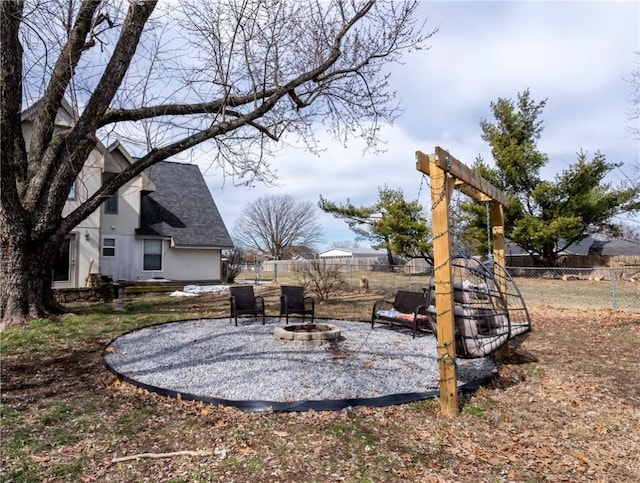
[322,279]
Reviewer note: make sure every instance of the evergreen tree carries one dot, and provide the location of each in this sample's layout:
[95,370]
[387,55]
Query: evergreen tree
[545,217]
[391,223]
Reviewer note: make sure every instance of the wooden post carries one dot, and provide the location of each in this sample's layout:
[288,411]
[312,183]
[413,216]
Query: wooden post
[447,174]
[441,189]
[497,230]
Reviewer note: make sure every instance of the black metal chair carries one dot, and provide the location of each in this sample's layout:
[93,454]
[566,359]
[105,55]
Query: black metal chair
[244,302]
[293,301]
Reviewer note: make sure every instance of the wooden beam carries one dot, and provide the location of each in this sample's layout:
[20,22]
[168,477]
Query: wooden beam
[467,181]
[461,171]
[447,174]
[422,162]
[441,187]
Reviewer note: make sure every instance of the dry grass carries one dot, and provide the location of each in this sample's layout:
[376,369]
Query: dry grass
[565,407]
[594,294]
[582,293]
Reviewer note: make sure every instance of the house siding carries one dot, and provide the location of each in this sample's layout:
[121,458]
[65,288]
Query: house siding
[192,264]
[86,245]
[338,253]
[178,264]
[127,262]
[127,218]
[198,224]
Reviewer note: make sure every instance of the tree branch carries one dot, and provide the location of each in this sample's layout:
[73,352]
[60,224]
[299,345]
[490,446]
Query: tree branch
[13,161]
[160,455]
[63,71]
[132,28]
[120,115]
[79,142]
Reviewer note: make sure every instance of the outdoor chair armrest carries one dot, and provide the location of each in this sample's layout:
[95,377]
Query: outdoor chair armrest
[377,306]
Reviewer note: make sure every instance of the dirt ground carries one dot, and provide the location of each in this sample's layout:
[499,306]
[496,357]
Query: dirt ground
[565,407]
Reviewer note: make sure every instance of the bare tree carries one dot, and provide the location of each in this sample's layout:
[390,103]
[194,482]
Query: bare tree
[629,229]
[322,278]
[230,78]
[634,99]
[273,224]
[234,262]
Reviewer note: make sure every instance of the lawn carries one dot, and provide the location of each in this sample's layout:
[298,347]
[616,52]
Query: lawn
[565,406]
[570,293]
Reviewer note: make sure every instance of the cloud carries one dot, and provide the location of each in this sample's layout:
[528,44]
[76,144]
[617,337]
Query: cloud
[337,174]
[575,54]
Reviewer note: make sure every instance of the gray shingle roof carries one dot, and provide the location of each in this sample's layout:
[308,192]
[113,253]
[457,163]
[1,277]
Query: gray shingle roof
[615,247]
[589,246]
[182,207]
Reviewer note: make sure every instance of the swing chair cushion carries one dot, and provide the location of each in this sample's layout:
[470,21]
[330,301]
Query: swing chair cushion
[408,308]
[478,332]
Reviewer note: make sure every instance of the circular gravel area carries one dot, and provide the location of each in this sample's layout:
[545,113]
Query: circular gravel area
[214,361]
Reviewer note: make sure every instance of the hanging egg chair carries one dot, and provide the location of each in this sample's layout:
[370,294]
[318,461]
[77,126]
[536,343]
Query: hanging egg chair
[483,315]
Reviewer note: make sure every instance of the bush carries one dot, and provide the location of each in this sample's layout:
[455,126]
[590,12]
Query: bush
[322,279]
[232,266]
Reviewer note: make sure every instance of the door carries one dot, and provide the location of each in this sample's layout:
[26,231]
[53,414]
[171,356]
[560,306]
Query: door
[64,268]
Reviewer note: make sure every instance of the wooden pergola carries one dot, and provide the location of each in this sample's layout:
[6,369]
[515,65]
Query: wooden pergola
[448,174]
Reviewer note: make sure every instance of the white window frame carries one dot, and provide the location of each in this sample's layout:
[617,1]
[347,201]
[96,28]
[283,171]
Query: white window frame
[144,255]
[105,246]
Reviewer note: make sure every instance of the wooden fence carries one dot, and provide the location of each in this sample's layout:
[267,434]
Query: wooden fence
[581,261]
[347,264]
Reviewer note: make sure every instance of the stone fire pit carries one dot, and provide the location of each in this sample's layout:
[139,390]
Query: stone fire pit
[308,334]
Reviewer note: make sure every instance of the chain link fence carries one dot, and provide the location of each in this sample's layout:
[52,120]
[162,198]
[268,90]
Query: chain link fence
[597,287]
[600,287]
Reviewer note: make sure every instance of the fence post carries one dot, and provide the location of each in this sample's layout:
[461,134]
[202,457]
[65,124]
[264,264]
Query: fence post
[275,272]
[614,302]
[351,284]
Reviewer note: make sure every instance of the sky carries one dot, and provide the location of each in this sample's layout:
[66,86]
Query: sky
[576,55]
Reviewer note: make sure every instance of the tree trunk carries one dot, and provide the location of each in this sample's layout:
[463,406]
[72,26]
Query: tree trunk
[26,274]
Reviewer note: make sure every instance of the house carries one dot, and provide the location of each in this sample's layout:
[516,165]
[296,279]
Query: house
[342,253]
[299,253]
[595,250]
[162,224]
[177,234]
[617,247]
[294,258]
[355,258]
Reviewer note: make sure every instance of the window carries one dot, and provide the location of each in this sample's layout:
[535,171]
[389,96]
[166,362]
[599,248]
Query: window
[111,203]
[108,247]
[152,255]
[72,192]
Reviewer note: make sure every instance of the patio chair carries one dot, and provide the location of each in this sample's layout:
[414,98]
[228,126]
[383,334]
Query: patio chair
[408,309]
[293,301]
[244,302]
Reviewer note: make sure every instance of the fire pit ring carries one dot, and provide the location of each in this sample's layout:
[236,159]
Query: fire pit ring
[308,334]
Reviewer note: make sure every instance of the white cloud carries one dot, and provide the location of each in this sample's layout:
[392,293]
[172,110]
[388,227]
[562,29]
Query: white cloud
[575,54]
